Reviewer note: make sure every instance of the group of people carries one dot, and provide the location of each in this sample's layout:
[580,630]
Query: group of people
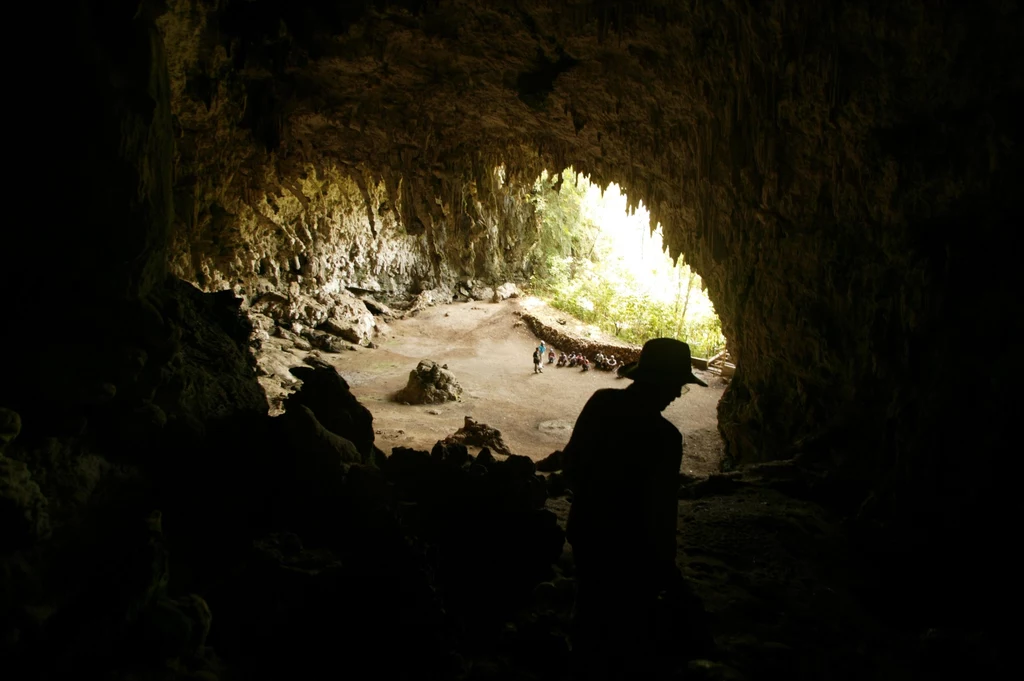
[607,363]
[572,359]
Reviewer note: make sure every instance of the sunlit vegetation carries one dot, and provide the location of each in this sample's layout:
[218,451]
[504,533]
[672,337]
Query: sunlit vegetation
[600,262]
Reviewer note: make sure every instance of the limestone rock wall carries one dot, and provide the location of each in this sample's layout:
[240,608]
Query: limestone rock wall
[253,217]
[314,238]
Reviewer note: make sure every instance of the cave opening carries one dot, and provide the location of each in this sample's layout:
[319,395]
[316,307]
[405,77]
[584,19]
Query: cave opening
[601,256]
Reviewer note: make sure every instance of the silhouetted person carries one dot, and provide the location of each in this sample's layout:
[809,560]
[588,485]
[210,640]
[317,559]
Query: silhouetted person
[622,464]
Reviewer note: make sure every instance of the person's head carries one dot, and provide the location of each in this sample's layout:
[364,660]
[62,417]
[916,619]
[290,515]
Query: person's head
[661,372]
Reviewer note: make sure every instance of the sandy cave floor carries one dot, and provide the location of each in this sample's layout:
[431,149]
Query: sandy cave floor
[491,358]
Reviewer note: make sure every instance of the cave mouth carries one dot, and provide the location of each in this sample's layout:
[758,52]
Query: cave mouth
[601,256]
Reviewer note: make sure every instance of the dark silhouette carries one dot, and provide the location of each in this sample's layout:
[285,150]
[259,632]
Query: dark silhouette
[622,524]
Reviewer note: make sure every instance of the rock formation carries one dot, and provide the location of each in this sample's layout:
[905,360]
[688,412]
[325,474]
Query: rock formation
[429,383]
[479,435]
[506,291]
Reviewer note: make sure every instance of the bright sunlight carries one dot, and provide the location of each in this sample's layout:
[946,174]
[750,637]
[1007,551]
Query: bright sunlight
[600,263]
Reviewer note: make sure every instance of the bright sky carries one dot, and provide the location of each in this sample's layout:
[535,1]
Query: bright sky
[629,237]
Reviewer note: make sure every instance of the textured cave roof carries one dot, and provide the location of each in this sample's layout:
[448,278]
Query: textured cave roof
[721,117]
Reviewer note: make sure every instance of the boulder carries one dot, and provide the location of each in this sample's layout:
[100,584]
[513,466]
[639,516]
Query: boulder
[271,304]
[327,395]
[517,464]
[321,340]
[372,593]
[293,309]
[485,518]
[405,462]
[555,461]
[23,508]
[10,426]
[506,291]
[349,331]
[294,338]
[428,298]
[485,458]
[485,293]
[172,629]
[378,308]
[429,383]
[455,455]
[262,327]
[480,435]
[322,452]
[261,321]
[315,360]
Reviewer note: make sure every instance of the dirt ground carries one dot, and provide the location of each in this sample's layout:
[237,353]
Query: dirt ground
[491,358]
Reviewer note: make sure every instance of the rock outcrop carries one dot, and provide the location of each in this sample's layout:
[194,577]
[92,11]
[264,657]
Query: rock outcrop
[429,383]
[488,517]
[476,434]
[506,291]
[327,397]
[23,514]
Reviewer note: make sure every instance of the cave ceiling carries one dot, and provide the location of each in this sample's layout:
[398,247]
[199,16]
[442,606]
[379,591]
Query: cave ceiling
[438,93]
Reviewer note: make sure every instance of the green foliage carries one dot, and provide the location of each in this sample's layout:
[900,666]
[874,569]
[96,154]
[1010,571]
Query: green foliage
[580,271]
[566,228]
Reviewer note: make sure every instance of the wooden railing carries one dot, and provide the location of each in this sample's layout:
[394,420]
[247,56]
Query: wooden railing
[721,363]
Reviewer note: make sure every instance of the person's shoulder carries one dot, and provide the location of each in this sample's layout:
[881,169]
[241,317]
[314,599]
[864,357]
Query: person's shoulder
[673,428]
[607,396]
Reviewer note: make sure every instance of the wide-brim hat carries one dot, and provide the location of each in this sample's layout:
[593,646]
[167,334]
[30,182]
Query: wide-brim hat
[662,360]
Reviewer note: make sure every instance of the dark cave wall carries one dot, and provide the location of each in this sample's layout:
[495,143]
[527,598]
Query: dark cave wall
[118,378]
[112,216]
[124,360]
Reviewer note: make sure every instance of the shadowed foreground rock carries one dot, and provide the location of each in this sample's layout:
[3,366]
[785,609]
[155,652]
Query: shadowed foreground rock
[476,434]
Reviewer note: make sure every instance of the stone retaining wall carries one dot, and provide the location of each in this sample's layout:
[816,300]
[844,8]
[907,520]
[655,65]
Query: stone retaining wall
[566,342]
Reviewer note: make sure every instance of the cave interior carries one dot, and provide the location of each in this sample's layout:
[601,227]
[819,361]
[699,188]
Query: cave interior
[843,175]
